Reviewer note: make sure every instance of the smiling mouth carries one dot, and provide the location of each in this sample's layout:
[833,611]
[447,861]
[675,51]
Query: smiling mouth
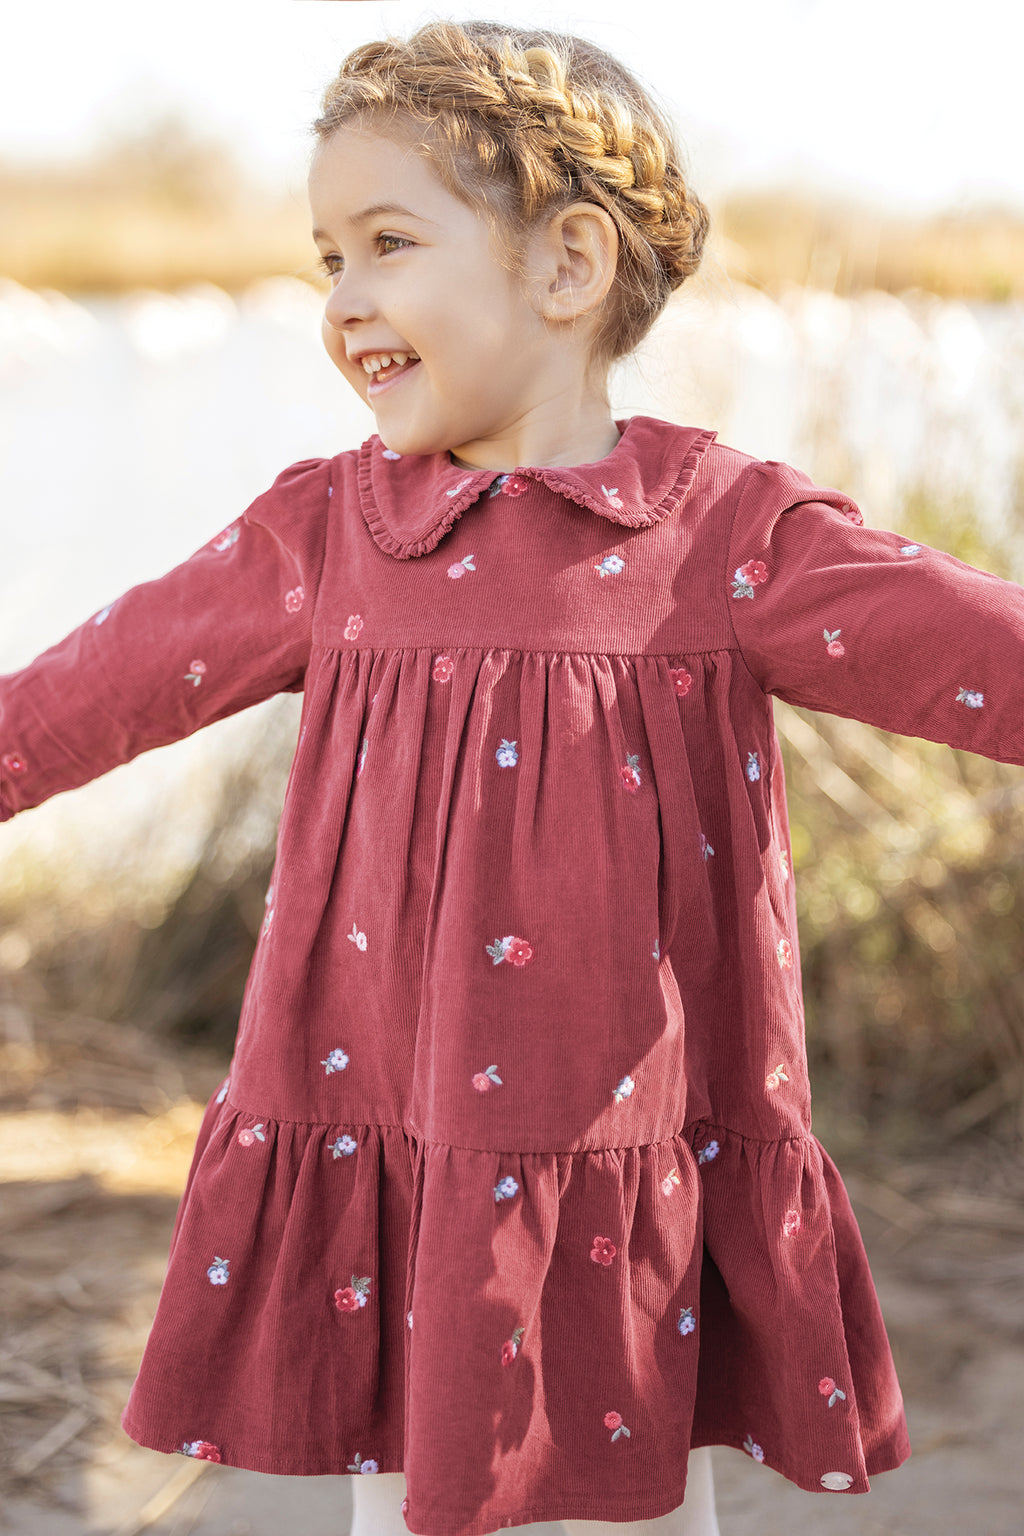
[385,376]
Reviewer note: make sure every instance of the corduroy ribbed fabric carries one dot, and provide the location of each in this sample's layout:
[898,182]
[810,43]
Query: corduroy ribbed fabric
[512,1184]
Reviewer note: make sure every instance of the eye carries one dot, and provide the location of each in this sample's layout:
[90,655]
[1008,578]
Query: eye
[333,264]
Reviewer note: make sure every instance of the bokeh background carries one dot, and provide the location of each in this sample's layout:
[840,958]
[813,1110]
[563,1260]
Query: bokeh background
[860,314]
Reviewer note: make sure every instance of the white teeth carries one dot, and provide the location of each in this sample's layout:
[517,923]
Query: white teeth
[375,361]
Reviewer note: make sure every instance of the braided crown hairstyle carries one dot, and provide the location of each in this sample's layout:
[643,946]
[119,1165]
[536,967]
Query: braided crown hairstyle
[519,124]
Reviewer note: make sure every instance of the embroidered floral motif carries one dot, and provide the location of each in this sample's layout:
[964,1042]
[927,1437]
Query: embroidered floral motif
[443,669]
[359,1465]
[506,754]
[656,951]
[682,681]
[389,453]
[706,848]
[294,599]
[852,514]
[910,549]
[603,1251]
[753,1449]
[344,1146]
[104,614]
[251,1133]
[357,938]
[516,951]
[836,1482]
[614,1421]
[408,1318]
[217,1274]
[709,1153]
[630,772]
[337,1061]
[482,1080]
[354,625]
[13,762]
[461,567]
[458,489]
[749,576]
[753,767]
[196,672]
[353,1296]
[778,1076]
[510,1348]
[671,1181]
[222,1095]
[612,497]
[828,1388]
[624,1090]
[784,954]
[971,697]
[225,540]
[268,916]
[202,1450]
[611,565]
[833,644]
[784,862]
[511,485]
[362,755]
[791,1223]
[506,1188]
[687,1322]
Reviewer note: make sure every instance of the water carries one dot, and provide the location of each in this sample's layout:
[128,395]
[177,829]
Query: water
[133,429]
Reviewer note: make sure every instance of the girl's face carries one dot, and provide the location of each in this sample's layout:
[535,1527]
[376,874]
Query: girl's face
[421,277]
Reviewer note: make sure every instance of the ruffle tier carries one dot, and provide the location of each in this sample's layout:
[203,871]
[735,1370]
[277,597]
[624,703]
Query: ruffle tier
[528,1336]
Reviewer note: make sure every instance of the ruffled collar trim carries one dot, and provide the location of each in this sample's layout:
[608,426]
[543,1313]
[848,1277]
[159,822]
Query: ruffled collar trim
[410,502]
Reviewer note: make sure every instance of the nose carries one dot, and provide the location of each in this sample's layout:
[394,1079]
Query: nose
[346,304]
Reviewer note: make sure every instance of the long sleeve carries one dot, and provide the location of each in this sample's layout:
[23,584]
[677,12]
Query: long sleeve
[227,628]
[858,622]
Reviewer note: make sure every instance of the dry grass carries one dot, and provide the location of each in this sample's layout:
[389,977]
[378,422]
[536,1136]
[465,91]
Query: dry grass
[165,209]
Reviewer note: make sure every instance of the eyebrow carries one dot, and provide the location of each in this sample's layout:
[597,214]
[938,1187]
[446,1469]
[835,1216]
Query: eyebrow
[372,212]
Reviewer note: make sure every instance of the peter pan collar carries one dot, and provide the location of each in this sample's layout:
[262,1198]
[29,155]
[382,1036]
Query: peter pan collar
[411,501]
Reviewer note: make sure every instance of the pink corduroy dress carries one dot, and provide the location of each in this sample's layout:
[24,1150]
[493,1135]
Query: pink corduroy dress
[512,1184]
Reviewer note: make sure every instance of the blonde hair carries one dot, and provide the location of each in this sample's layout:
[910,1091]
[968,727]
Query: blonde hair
[519,124]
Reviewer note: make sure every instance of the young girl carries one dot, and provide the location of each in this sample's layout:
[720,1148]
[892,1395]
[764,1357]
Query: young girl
[512,1185]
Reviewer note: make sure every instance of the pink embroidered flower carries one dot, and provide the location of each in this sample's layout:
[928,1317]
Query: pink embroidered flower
[510,1348]
[682,680]
[225,540]
[405,1502]
[484,1081]
[514,485]
[461,567]
[784,952]
[630,772]
[784,862]
[196,673]
[852,514]
[246,1138]
[354,625]
[749,576]
[603,1251]
[294,599]
[612,1420]
[826,1386]
[202,1450]
[791,1223]
[670,1181]
[778,1076]
[252,1133]
[13,762]
[443,669]
[510,948]
[833,644]
[753,1449]
[613,498]
[353,1296]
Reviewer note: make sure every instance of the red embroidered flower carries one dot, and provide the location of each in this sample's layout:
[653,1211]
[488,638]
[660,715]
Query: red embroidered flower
[628,777]
[294,599]
[791,1223]
[519,952]
[246,1138]
[443,669]
[481,1082]
[202,1450]
[681,679]
[508,1352]
[826,1386]
[603,1251]
[13,762]
[785,954]
[346,1300]
[515,485]
[612,1420]
[852,514]
[754,572]
[354,625]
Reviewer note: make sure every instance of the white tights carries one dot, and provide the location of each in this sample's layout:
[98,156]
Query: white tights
[377,1500]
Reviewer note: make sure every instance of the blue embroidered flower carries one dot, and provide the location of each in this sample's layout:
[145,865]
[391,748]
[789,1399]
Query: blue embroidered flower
[624,1090]
[611,565]
[506,754]
[753,767]
[506,1188]
[709,1153]
[971,697]
[343,1147]
[337,1061]
[217,1274]
[687,1322]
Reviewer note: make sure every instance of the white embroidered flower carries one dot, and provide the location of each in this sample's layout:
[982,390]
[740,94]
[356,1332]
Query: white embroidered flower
[222,1095]
[506,754]
[357,938]
[611,565]
[506,1188]
[910,549]
[217,1274]
[337,1061]
[971,697]
[624,1090]
[709,1153]
[344,1146]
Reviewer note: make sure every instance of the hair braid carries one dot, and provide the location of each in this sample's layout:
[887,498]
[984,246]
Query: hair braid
[521,123]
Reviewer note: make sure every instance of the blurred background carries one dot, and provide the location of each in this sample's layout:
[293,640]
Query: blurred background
[860,313]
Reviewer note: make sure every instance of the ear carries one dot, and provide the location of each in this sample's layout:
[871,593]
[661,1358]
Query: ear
[574,261]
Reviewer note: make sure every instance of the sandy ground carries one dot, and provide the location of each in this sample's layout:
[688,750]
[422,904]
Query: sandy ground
[94,1141]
